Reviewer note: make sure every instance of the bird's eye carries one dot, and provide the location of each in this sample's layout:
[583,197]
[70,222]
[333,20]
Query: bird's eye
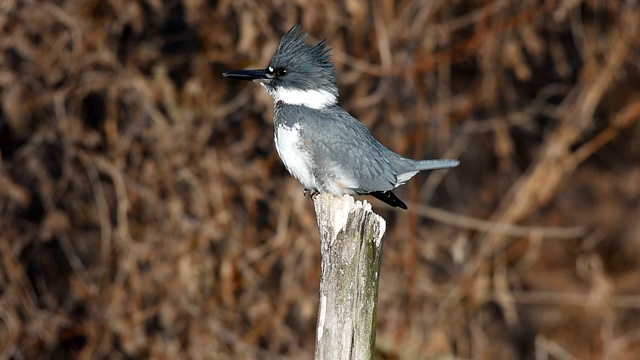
[275,72]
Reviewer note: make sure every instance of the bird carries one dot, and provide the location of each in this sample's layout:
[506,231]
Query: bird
[321,145]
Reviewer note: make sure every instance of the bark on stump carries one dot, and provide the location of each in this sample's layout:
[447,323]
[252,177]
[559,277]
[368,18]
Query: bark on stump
[351,243]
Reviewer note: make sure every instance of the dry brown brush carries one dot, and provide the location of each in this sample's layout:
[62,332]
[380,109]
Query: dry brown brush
[144,212]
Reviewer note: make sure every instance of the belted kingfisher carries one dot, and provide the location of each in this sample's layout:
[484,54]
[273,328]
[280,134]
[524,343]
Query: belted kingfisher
[320,144]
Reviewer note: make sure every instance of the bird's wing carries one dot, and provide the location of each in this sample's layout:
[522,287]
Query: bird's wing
[346,146]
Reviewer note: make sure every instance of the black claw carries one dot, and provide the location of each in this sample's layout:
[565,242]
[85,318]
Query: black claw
[312,192]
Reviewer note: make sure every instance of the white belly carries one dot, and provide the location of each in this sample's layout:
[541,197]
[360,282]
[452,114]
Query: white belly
[297,161]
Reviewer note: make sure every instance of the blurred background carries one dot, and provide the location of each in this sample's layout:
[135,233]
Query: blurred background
[144,212]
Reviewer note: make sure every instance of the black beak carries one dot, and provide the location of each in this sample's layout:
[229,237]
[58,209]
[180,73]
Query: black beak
[248,75]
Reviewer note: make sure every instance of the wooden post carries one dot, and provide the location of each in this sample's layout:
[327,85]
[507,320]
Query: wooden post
[351,243]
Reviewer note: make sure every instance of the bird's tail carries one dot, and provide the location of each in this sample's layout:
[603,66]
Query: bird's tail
[435,164]
[412,167]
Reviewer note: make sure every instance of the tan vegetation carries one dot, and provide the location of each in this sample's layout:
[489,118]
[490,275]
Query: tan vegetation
[144,212]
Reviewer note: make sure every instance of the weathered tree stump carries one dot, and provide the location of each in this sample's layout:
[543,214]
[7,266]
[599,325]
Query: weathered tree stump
[351,244]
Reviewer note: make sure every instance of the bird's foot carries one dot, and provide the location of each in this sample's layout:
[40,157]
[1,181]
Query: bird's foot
[312,192]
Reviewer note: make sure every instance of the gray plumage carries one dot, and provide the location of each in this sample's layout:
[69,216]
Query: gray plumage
[321,145]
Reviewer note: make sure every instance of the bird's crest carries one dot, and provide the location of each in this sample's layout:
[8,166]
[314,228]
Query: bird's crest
[293,44]
[312,60]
